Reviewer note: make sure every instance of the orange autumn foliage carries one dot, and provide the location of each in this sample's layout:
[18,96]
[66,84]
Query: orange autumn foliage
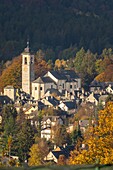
[107,75]
[12,75]
[41,67]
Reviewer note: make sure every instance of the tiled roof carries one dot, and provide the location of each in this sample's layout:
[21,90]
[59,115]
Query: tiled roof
[53,101]
[70,74]
[65,74]
[70,104]
[96,96]
[64,151]
[58,75]
[95,83]
[52,90]
[40,105]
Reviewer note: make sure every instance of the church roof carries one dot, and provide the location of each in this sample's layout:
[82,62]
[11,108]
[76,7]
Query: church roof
[43,80]
[58,75]
[68,75]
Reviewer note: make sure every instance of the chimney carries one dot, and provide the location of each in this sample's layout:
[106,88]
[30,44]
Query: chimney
[83,145]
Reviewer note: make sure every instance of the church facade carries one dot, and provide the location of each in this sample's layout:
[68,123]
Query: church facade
[65,81]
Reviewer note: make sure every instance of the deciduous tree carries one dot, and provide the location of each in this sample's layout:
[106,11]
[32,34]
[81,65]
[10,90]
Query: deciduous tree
[99,141]
[60,135]
[37,153]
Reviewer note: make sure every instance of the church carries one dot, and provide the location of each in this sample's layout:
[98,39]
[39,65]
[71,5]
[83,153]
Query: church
[65,82]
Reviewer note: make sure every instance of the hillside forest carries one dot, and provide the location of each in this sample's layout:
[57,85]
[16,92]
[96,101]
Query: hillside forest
[63,34]
[55,26]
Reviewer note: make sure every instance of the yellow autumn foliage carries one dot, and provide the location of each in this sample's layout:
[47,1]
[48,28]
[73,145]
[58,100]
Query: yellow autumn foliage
[99,141]
[37,153]
[35,156]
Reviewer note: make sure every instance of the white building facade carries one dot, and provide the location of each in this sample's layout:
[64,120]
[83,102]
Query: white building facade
[65,80]
[27,70]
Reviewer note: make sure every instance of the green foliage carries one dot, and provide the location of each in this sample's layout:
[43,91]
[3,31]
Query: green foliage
[79,58]
[39,120]
[9,115]
[24,139]
[68,53]
[107,53]
[55,25]
[75,135]
[18,134]
[84,63]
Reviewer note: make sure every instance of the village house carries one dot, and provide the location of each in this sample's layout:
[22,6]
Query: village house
[10,91]
[47,125]
[109,89]
[50,101]
[93,98]
[103,99]
[68,106]
[54,155]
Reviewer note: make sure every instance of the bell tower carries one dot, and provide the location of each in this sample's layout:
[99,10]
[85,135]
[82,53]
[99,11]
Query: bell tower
[27,70]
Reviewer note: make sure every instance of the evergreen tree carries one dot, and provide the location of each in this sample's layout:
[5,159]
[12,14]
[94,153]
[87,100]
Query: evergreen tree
[24,140]
[9,115]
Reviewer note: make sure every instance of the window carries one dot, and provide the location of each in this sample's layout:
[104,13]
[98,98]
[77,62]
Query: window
[25,60]
[35,88]
[70,86]
[63,86]
[75,86]
[40,88]
[51,86]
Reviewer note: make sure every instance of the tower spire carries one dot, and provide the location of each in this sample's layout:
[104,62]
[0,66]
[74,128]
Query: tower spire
[27,49]
[28,43]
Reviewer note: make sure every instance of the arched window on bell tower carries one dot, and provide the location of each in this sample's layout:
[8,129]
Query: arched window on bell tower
[25,60]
